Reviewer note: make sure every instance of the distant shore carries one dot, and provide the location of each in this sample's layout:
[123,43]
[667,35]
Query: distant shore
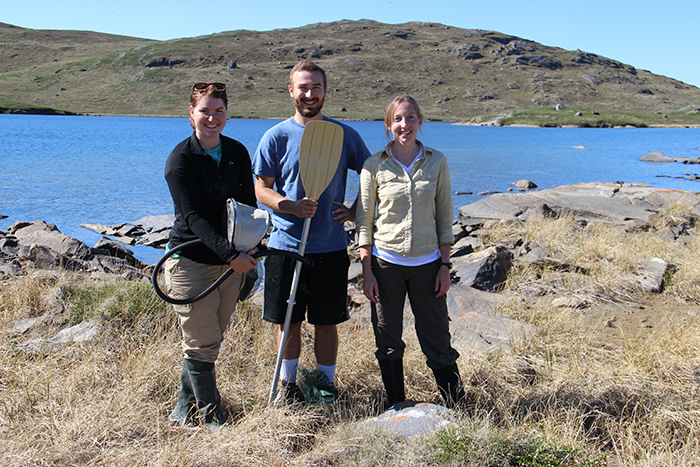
[54,112]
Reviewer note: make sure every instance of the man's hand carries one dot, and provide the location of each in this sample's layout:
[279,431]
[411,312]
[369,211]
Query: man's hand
[266,194]
[343,214]
[304,208]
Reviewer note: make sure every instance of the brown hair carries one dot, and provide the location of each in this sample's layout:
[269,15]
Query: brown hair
[211,91]
[307,66]
[391,109]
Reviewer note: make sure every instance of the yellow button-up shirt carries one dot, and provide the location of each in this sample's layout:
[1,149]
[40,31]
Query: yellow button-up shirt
[409,214]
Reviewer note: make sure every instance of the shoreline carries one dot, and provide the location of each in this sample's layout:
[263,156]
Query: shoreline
[485,124]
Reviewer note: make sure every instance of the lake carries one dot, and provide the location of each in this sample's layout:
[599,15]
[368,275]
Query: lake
[69,170]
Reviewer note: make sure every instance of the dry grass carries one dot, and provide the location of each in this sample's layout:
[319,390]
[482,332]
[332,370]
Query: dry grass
[574,394]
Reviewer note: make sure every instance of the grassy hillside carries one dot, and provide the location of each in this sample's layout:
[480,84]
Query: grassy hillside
[456,74]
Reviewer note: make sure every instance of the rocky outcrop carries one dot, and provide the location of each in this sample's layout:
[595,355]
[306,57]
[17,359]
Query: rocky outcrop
[38,245]
[656,157]
[81,332]
[607,202]
[661,157]
[148,231]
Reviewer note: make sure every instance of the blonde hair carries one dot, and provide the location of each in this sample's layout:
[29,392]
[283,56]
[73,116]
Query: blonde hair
[391,109]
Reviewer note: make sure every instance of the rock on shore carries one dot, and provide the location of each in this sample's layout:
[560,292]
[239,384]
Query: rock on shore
[608,202]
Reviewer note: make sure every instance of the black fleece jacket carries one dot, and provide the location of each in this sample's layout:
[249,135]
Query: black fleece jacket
[200,189]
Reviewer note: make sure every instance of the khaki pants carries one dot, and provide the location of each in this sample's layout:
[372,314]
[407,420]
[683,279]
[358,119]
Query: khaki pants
[203,322]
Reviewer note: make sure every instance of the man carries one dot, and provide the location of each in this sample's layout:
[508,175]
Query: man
[322,293]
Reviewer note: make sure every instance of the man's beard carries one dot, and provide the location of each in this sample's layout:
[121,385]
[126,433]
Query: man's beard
[307,111]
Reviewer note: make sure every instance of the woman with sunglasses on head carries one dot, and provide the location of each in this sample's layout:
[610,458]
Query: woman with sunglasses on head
[202,172]
[404,218]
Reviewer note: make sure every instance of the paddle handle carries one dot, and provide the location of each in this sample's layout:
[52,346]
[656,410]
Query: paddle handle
[288,316]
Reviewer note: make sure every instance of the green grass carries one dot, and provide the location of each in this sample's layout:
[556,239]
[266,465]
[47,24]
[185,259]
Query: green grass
[8,106]
[116,302]
[605,118]
[457,447]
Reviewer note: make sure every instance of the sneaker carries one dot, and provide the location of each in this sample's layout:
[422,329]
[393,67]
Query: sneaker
[288,394]
[316,387]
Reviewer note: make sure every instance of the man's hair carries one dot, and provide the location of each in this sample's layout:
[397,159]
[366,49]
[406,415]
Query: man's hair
[307,66]
[391,109]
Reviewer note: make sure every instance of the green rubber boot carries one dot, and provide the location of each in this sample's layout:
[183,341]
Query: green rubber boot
[185,409]
[208,400]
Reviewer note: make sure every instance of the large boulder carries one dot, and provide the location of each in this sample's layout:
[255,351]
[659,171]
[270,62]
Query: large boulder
[475,328]
[43,257]
[47,235]
[609,202]
[651,272]
[656,157]
[485,269]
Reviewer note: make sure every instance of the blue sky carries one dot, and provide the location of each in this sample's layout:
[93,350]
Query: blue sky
[657,36]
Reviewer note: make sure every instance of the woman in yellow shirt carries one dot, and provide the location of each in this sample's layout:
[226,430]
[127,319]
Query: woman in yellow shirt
[404,218]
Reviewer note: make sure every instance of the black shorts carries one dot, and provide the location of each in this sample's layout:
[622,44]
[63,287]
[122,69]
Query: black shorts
[322,289]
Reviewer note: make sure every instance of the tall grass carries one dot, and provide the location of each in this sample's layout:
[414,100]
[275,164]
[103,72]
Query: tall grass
[577,393]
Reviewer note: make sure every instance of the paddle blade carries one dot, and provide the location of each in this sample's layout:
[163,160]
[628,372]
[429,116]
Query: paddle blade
[319,155]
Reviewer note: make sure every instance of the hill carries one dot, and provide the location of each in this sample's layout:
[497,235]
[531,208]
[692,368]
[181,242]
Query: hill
[456,74]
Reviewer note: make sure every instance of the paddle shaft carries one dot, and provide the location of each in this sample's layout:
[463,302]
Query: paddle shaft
[290,307]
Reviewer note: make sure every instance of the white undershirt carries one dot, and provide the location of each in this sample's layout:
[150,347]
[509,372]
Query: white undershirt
[407,168]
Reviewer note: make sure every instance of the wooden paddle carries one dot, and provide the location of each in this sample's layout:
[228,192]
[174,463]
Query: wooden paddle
[319,154]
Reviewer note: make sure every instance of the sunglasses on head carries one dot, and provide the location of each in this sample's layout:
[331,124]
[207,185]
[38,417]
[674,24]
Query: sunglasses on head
[201,87]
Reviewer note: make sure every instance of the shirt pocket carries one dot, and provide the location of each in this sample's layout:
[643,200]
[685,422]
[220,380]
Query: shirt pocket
[392,197]
[425,182]
[389,186]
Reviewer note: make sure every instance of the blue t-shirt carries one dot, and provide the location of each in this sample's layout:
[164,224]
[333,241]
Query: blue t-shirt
[277,156]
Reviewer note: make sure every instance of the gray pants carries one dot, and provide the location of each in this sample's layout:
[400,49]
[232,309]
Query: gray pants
[432,322]
[203,322]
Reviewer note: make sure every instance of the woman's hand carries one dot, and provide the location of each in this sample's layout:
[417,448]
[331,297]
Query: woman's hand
[369,283]
[442,281]
[244,262]
[370,287]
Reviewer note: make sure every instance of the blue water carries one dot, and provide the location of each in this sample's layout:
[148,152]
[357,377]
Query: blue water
[106,170]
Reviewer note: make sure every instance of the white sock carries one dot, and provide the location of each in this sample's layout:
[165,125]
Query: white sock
[288,372]
[328,370]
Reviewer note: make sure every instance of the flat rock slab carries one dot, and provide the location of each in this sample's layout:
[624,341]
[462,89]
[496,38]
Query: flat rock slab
[412,418]
[474,327]
[610,202]
[149,231]
[82,332]
[480,333]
